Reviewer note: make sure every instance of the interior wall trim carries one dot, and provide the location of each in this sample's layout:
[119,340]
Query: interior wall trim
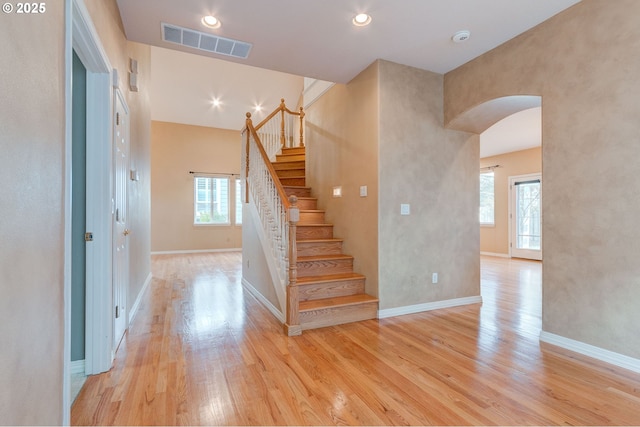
[598,353]
[134,308]
[77,367]
[495,254]
[196,251]
[314,91]
[428,306]
[272,308]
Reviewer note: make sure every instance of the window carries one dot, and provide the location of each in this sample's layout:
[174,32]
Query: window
[238,201]
[211,197]
[215,201]
[487,202]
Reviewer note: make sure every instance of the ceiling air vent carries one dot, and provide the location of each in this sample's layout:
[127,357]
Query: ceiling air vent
[204,41]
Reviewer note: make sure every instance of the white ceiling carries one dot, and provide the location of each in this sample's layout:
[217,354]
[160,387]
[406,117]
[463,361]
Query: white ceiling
[316,38]
[311,39]
[516,132]
[183,87]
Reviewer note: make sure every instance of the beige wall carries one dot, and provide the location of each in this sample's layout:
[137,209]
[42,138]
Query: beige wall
[342,150]
[495,239]
[384,130]
[32,141]
[106,18]
[32,138]
[435,170]
[176,150]
[584,64]
[255,268]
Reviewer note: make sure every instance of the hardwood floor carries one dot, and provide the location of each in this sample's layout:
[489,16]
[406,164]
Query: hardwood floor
[203,351]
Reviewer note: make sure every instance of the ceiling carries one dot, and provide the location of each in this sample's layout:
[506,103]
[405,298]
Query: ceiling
[312,39]
[317,39]
[516,132]
[184,87]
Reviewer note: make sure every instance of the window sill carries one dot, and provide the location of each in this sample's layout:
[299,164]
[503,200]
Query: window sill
[488,225]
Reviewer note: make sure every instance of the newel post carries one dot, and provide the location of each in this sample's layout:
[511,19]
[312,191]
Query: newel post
[301,127]
[282,109]
[246,170]
[292,324]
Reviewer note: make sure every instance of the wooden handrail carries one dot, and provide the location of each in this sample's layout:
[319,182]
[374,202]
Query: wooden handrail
[281,108]
[286,206]
[270,168]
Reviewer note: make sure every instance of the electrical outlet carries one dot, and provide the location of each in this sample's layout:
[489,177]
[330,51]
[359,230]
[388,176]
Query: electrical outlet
[434,278]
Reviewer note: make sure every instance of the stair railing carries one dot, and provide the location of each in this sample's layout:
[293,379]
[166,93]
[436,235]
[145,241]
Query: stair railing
[278,213]
[278,130]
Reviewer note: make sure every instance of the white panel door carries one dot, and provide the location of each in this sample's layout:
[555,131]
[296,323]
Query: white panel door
[526,216]
[120,218]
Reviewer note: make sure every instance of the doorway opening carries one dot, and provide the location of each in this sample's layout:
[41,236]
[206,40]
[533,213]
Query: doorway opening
[525,216]
[83,40]
[514,124]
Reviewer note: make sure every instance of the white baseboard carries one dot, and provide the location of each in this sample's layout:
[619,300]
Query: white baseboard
[196,251]
[598,353]
[495,254]
[428,306]
[77,367]
[272,308]
[136,304]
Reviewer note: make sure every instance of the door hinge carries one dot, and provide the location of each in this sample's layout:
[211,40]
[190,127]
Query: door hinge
[117,311]
[88,236]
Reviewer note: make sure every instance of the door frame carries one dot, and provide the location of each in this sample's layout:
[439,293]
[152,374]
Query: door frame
[512,181]
[81,36]
[118,98]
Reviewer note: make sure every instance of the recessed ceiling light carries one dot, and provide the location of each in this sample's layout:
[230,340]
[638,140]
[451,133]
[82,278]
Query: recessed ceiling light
[216,102]
[257,108]
[361,19]
[461,36]
[211,21]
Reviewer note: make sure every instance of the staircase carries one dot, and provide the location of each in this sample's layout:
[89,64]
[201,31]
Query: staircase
[327,291]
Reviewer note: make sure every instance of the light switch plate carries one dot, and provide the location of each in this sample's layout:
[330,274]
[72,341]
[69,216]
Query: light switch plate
[363,191]
[405,209]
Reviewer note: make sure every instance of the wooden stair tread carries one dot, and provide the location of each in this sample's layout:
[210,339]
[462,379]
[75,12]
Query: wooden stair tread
[336,302]
[328,278]
[290,155]
[293,149]
[315,225]
[312,210]
[323,257]
[291,164]
[319,240]
[296,189]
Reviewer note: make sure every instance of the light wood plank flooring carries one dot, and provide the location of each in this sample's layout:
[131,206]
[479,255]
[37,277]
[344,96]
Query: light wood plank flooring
[203,351]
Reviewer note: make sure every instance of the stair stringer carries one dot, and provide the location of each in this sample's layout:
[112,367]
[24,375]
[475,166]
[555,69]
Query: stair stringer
[279,283]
